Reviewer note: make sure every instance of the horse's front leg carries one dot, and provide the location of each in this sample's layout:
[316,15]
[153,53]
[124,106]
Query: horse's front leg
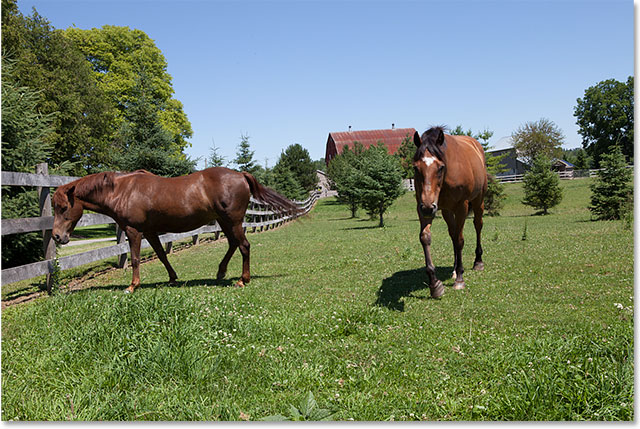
[135,239]
[436,287]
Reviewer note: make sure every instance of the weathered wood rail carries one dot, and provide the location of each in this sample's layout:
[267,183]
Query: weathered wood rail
[259,218]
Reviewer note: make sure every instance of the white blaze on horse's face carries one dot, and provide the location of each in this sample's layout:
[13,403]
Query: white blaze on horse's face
[429,176]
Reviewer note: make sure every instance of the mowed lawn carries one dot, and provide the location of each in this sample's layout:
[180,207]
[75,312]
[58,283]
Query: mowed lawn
[339,308]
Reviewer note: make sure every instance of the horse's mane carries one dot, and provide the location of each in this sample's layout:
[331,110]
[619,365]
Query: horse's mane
[93,182]
[430,143]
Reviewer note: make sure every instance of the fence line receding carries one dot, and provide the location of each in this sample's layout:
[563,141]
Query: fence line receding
[259,217]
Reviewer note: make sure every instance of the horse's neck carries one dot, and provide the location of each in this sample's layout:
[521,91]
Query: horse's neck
[98,201]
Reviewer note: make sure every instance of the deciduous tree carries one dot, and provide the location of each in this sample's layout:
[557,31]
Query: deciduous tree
[533,139]
[605,118]
[119,55]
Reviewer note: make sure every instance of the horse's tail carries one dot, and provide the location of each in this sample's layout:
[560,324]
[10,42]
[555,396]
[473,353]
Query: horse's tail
[269,196]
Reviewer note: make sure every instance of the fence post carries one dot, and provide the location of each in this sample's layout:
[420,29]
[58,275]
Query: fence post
[121,238]
[44,202]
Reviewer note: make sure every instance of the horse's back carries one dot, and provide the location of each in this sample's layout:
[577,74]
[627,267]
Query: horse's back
[174,204]
[466,166]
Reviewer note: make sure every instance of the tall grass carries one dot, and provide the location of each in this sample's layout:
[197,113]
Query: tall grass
[339,308]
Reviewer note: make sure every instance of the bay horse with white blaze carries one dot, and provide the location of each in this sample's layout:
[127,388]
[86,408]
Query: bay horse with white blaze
[450,174]
[142,203]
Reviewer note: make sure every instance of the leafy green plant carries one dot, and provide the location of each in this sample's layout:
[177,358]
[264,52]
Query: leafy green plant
[55,277]
[306,410]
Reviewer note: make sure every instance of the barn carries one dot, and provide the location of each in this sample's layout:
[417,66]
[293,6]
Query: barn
[392,139]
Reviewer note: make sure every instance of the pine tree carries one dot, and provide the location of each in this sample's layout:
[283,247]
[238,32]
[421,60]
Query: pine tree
[145,142]
[612,191]
[215,159]
[342,172]
[405,155]
[244,156]
[24,145]
[542,186]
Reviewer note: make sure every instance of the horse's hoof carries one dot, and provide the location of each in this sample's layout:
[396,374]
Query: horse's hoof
[478,266]
[437,290]
[127,291]
[239,283]
[220,276]
[458,285]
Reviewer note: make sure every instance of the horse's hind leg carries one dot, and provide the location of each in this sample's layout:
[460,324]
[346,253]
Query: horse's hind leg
[237,239]
[233,245]
[154,240]
[478,210]
[245,250]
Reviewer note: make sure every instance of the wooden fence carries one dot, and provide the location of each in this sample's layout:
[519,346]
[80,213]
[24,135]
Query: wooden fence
[259,218]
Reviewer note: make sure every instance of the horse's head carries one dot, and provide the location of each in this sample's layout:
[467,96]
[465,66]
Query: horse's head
[429,169]
[67,212]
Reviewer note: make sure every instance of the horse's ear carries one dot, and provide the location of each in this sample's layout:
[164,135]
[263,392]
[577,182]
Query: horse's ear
[71,195]
[440,138]
[107,179]
[416,139]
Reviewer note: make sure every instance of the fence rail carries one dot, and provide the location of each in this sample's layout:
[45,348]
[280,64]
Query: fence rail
[258,217]
[572,174]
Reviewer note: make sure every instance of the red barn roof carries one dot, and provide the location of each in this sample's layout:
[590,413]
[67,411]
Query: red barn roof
[392,139]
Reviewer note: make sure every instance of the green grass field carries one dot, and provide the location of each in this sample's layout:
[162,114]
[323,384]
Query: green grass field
[339,308]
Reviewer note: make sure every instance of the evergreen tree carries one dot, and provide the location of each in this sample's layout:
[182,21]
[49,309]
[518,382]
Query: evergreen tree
[24,144]
[582,161]
[612,191]
[145,143]
[405,156]
[244,156]
[342,172]
[541,185]
[215,159]
[296,159]
[49,63]
[286,183]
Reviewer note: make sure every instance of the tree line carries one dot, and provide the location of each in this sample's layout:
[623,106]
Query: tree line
[86,101]
[371,179]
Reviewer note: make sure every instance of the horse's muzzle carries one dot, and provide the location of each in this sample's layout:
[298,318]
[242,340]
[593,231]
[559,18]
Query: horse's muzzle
[428,211]
[60,240]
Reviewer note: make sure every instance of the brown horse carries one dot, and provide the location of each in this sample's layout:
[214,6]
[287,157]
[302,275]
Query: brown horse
[142,203]
[450,174]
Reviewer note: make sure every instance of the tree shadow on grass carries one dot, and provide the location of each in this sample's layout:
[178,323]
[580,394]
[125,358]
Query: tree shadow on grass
[403,284]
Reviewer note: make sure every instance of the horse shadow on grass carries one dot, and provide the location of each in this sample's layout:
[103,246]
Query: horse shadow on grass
[403,284]
[227,282]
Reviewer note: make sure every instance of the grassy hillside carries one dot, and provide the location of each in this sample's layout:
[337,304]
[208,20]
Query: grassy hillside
[340,308]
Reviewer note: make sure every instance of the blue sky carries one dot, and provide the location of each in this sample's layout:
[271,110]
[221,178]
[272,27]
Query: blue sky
[286,72]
